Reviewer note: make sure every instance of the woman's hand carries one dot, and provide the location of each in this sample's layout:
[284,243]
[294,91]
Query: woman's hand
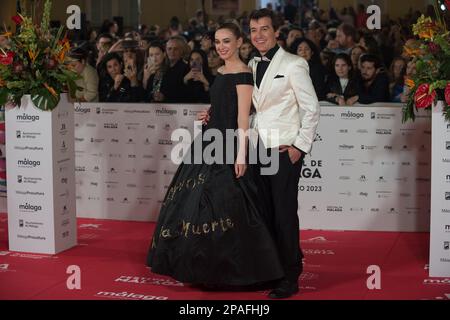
[188,77]
[131,74]
[340,101]
[118,80]
[203,116]
[351,101]
[331,95]
[149,70]
[158,97]
[240,169]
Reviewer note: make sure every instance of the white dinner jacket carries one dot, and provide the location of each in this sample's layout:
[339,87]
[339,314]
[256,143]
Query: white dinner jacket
[286,100]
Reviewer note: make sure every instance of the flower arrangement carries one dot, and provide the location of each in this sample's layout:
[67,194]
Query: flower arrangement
[35,63]
[431,53]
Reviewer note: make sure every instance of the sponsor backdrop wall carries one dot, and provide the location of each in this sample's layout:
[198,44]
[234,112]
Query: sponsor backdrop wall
[367,170]
[440,196]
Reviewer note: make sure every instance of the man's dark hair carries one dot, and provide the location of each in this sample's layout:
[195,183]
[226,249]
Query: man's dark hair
[78,54]
[348,30]
[371,58]
[266,13]
[105,35]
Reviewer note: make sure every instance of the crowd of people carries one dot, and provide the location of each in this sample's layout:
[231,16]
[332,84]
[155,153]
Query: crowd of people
[348,63]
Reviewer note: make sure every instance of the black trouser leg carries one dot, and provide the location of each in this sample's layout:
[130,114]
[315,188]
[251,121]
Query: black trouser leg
[283,187]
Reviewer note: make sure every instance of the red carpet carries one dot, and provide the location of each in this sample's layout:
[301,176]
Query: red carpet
[111,256]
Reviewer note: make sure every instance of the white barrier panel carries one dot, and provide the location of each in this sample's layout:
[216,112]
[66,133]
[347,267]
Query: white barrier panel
[123,157]
[3,203]
[367,171]
[41,179]
[440,196]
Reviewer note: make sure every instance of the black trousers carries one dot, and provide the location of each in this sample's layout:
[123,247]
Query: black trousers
[283,221]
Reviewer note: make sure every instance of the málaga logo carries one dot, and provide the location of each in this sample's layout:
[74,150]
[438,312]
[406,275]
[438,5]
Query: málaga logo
[351,115]
[27,118]
[28,163]
[29,207]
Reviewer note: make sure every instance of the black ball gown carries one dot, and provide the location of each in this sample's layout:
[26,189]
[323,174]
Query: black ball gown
[212,226]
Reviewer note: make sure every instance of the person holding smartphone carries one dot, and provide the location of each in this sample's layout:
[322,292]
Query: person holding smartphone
[118,82]
[103,45]
[154,81]
[199,78]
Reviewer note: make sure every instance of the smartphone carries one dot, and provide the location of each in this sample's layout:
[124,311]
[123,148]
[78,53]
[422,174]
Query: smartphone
[197,67]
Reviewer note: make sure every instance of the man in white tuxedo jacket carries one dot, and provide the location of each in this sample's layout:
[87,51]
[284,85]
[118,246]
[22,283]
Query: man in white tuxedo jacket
[285,100]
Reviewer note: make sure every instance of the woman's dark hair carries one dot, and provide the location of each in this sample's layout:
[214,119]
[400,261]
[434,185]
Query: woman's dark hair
[247,40]
[205,67]
[399,80]
[316,53]
[174,22]
[234,28]
[108,57]
[371,44]
[157,44]
[348,61]
[209,35]
[160,46]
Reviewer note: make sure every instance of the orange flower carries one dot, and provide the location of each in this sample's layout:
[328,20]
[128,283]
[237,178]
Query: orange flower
[61,56]
[426,28]
[65,47]
[65,43]
[6,35]
[412,52]
[51,90]
[33,55]
[427,34]
[409,83]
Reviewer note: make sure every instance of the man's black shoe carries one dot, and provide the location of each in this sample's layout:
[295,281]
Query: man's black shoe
[284,290]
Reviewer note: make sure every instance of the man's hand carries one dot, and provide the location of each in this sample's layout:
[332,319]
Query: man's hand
[294,153]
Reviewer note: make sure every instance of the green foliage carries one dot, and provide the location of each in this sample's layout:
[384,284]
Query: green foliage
[39,65]
[431,54]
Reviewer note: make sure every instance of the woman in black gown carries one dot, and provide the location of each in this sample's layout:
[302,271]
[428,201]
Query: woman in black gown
[212,228]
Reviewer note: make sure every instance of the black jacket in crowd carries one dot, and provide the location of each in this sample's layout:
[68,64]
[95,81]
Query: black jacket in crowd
[125,92]
[334,86]
[318,75]
[196,91]
[173,87]
[378,91]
